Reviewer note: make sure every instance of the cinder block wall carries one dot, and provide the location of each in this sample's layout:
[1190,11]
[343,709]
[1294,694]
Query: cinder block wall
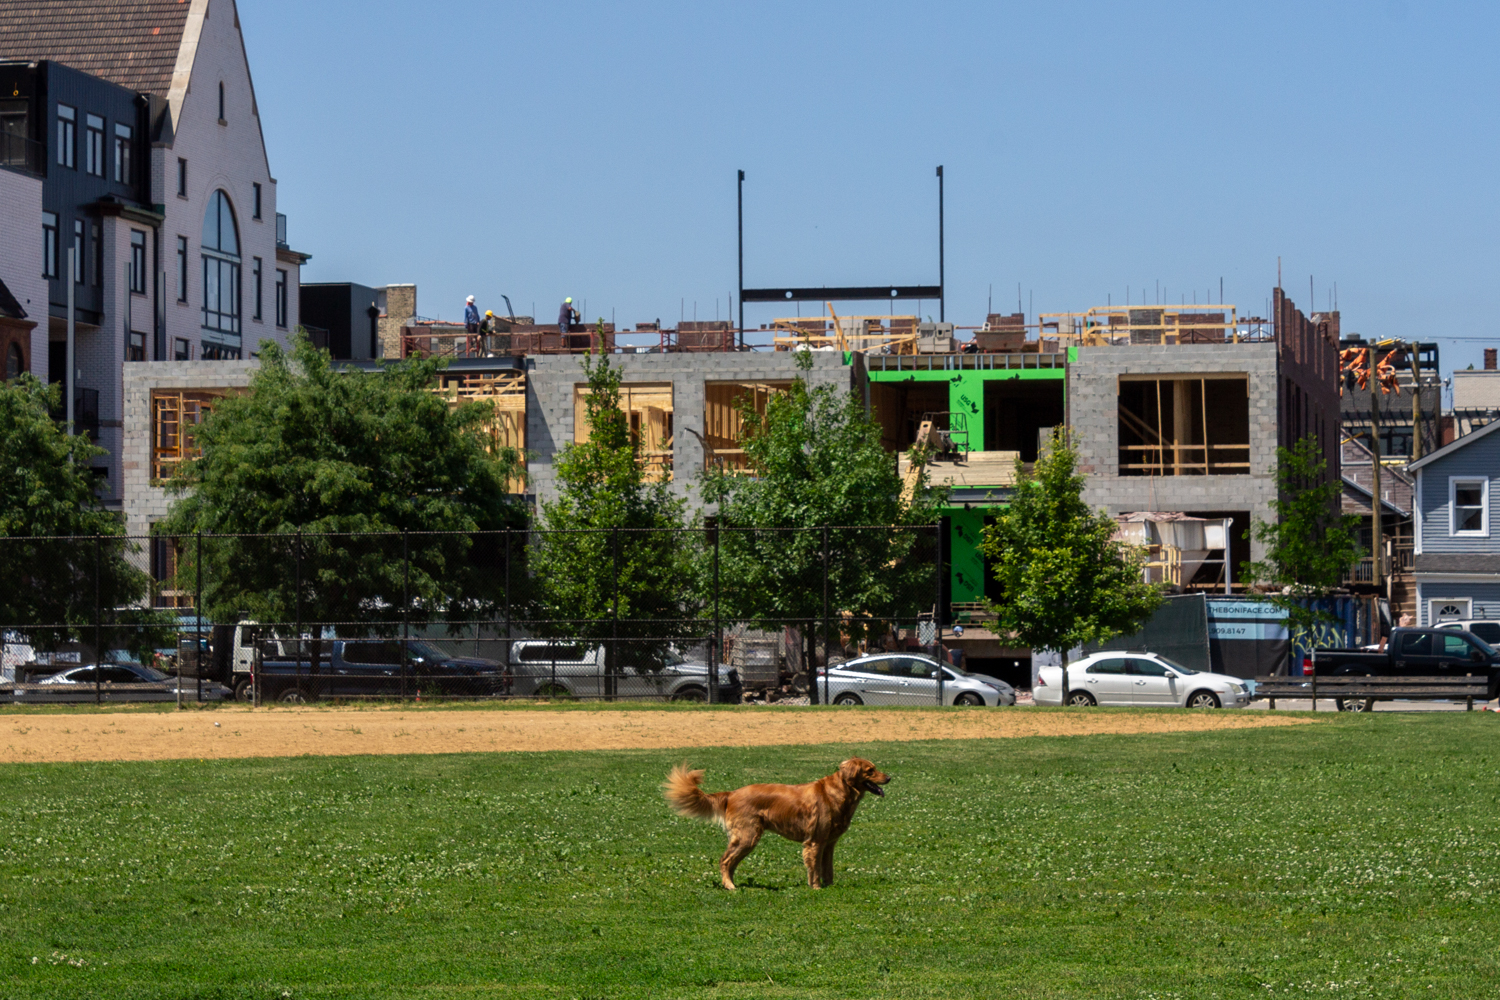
[550,380]
[1093,405]
[144,503]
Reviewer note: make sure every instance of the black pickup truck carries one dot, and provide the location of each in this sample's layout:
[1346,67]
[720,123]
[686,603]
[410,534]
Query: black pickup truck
[1415,652]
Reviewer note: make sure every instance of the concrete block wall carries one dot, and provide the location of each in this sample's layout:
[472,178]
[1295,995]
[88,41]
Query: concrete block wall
[145,504]
[1093,406]
[550,382]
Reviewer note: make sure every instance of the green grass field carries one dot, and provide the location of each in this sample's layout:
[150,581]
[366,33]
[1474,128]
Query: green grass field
[1355,857]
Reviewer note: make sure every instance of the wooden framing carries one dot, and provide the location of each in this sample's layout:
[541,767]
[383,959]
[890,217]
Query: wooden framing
[649,408]
[724,426]
[1177,440]
[174,412]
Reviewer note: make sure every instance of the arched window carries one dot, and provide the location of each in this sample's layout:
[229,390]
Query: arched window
[15,362]
[221,266]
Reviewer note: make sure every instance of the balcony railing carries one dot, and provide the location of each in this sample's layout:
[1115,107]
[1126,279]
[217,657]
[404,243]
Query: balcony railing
[21,153]
[1398,559]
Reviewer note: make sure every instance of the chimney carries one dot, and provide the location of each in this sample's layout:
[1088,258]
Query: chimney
[1489,359]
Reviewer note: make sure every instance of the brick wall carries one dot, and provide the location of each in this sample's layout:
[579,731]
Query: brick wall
[1093,405]
[21,259]
[550,381]
[400,307]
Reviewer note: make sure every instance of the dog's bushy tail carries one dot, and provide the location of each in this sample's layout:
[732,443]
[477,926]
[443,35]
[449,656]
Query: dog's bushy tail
[683,794]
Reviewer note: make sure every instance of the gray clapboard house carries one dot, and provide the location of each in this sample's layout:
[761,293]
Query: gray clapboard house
[1457,552]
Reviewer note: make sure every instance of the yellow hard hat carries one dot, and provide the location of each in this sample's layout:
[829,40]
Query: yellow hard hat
[489,312]
[568,300]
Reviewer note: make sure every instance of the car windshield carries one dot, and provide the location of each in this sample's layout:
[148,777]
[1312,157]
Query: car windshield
[670,657]
[1175,666]
[427,652]
[150,673]
[1486,647]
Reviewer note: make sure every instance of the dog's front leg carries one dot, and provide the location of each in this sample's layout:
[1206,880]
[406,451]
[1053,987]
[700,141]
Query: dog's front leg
[825,869]
[812,857]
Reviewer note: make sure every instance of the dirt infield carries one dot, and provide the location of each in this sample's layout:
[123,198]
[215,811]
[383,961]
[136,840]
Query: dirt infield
[288,732]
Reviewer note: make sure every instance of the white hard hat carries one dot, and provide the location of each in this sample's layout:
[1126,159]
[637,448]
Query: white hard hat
[469,299]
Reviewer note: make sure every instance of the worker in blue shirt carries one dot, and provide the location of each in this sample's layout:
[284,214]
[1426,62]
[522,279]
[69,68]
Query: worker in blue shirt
[566,315]
[471,316]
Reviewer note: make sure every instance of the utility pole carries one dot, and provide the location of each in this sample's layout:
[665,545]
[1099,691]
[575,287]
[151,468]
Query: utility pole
[1376,576]
[740,204]
[942,289]
[1416,402]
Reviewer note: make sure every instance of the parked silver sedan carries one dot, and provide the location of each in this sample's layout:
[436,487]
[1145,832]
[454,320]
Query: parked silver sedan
[118,682]
[904,679]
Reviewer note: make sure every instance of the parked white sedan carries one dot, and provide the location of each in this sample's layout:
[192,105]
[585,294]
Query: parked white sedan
[905,679]
[1114,678]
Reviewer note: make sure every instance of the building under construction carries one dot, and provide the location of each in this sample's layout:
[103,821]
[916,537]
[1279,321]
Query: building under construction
[1176,413]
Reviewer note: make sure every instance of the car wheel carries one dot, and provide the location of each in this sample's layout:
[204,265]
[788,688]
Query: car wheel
[1081,699]
[1203,699]
[848,699]
[293,696]
[692,694]
[1355,704]
[968,698]
[245,690]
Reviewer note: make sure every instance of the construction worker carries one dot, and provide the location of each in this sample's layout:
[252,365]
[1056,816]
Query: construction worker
[567,315]
[471,316]
[487,325]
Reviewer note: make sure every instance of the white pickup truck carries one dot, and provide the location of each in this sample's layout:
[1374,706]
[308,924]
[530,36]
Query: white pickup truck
[573,669]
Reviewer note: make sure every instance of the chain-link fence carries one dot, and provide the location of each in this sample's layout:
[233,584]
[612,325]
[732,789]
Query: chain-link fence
[716,614]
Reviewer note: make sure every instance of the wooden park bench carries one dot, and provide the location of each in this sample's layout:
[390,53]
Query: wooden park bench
[1360,688]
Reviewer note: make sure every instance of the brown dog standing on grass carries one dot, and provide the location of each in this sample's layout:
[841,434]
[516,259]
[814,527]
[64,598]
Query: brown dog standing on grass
[814,815]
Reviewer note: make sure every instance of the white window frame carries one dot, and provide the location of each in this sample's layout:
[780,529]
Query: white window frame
[1453,484]
[1433,603]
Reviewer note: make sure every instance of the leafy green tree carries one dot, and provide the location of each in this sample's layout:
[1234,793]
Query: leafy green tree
[327,490]
[613,557]
[815,460]
[1064,579]
[1312,545]
[49,582]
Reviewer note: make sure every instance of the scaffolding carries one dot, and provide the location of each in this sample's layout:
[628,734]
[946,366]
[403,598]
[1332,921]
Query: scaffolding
[1117,325]
[174,413]
[865,334]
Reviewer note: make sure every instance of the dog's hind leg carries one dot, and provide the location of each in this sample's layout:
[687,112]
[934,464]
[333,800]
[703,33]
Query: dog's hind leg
[741,843]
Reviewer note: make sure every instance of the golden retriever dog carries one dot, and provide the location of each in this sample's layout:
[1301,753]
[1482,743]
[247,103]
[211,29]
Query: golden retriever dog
[814,815]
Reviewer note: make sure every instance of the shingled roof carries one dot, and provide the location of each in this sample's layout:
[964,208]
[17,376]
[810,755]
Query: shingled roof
[133,43]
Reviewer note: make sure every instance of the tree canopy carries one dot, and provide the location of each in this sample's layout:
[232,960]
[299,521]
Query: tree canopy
[601,552]
[47,490]
[814,459]
[1064,580]
[310,451]
[1312,545]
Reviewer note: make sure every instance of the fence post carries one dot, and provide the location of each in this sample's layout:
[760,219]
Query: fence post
[812,663]
[505,667]
[937,605]
[716,648]
[198,603]
[405,607]
[297,628]
[99,616]
[612,667]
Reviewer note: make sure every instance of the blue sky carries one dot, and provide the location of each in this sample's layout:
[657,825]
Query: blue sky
[543,150]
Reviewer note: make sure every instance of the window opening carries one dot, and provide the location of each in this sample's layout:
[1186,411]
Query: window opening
[648,407]
[1470,507]
[78,249]
[183,350]
[280,293]
[255,280]
[174,414]
[221,266]
[49,245]
[123,174]
[182,268]
[98,238]
[15,362]
[67,137]
[138,262]
[94,145]
[256,203]
[1182,426]
[181,177]
[724,424]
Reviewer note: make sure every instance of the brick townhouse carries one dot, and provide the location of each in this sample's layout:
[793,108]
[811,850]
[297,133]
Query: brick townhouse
[139,119]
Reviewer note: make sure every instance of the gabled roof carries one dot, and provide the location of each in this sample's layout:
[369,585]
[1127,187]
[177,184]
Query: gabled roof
[1350,486]
[132,43]
[1450,448]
